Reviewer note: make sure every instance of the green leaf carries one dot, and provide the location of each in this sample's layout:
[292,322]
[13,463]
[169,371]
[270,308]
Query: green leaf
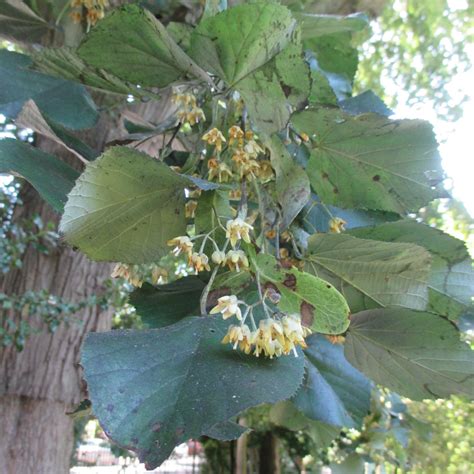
[19,23]
[365,103]
[124,207]
[292,183]
[162,305]
[64,102]
[333,391]
[370,161]
[313,25]
[176,383]
[336,59]
[226,431]
[322,307]
[51,177]
[133,45]
[293,72]
[287,415]
[451,278]
[416,354]
[238,41]
[265,101]
[65,63]
[371,273]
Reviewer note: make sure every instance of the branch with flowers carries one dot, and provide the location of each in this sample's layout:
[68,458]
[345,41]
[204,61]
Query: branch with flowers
[278,201]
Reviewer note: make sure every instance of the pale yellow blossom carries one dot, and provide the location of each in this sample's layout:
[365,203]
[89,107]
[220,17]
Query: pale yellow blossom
[228,306]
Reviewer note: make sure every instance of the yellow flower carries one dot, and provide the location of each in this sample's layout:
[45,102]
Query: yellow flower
[228,306]
[214,137]
[236,134]
[195,116]
[336,225]
[222,172]
[265,173]
[304,137]
[239,336]
[190,208]
[253,148]
[268,338]
[240,157]
[181,244]
[236,260]
[218,257]
[199,261]
[249,135]
[121,270]
[293,330]
[237,229]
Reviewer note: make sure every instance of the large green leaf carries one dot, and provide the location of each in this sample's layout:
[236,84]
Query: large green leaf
[152,390]
[321,306]
[370,161]
[333,391]
[313,25]
[238,41]
[416,354]
[371,273]
[51,177]
[133,45]
[65,63]
[162,305]
[19,23]
[124,207]
[292,183]
[64,102]
[451,279]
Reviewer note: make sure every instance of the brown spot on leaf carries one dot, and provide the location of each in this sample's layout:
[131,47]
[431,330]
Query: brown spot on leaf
[325,175]
[179,431]
[335,190]
[307,314]
[290,281]
[156,427]
[376,177]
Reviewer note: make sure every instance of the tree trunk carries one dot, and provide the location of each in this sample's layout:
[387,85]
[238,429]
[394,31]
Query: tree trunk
[41,383]
[269,455]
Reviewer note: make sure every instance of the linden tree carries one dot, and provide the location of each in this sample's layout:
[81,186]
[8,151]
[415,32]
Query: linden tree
[284,203]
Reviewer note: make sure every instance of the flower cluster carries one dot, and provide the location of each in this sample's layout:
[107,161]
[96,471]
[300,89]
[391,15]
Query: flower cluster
[241,157]
[188,110]
[94,10]
[235,259]
[273,337]
[135,275]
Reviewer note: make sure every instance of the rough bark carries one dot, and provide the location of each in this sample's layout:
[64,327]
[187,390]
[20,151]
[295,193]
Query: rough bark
[39,384]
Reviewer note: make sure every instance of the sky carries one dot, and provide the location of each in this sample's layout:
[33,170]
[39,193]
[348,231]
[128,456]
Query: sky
[456,139]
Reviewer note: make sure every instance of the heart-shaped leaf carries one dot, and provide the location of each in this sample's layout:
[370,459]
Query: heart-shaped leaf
[124,207]
[154,389]
[416,354]
[370,161]
[371,273]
